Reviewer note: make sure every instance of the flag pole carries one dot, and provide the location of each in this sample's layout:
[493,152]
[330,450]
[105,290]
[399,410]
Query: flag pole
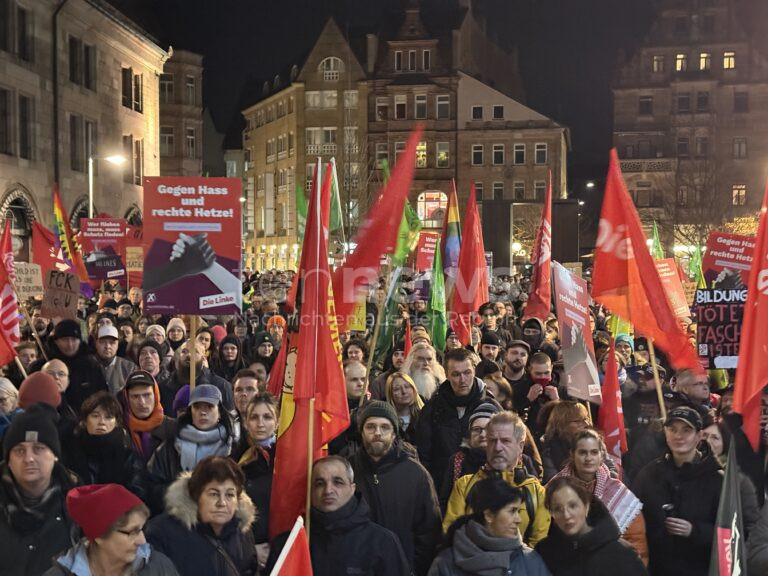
[23,309]
[20,366]
[192,345]
[376,332]
[310,453]
[656,380]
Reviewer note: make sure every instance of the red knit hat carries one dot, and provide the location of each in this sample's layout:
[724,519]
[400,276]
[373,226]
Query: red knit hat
[219,333]
[96,507]
[39,387]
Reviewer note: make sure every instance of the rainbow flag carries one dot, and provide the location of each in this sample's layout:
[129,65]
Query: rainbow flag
[64,240]
[450,243]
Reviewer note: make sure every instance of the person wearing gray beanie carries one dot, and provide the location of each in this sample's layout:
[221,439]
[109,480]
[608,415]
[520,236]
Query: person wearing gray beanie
[381,409]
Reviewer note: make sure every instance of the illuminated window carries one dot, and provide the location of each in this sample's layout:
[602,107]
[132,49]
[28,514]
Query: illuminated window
[331,68]
[729,60]
[705,61]
[443,157]
[681,62]
[431,206]
[739,194]
[421,155]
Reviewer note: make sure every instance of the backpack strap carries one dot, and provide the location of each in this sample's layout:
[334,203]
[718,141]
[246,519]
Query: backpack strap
[531,510]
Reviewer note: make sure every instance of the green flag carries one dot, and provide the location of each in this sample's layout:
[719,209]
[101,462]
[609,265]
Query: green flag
[436,305]
[657,250]
[337,216]
[301,211]
[407,235]
[694,266]
[387,332]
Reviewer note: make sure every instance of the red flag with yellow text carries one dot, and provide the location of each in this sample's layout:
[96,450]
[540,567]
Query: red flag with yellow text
[540,299]
[625,279]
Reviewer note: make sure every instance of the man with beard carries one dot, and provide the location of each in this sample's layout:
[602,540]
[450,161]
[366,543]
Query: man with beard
[180,377]
[421,365]
[534,333]
[515,361]
[490,344]
[382,469]
[42,326]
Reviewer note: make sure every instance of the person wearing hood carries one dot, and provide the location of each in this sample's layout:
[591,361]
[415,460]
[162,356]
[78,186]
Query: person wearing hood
[177,333]
[342,537]
[680,492]
[228,358]
[206,527]
[147,426]
[112,522]
[444,420]
[487,542]
[534,333]
[156,333]
[264,349]
[585,539]
[382,468]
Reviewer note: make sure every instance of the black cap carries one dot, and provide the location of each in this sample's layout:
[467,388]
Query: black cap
[67,329]
[139,378]
[36,424]
[520,343]
[491,337]
[685,414]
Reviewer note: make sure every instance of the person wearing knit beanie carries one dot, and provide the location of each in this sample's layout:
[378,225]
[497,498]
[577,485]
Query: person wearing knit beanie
[484,410]
[39,387]
[380,409]
[156,333]
[36,424]
[97,507]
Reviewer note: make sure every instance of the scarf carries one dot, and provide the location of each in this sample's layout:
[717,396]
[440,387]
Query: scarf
[140,429]
[477,552]
[193,444]
[475,393]
[254,453]
[623,505]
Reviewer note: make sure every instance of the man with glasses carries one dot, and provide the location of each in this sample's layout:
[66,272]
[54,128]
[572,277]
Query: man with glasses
[382,469]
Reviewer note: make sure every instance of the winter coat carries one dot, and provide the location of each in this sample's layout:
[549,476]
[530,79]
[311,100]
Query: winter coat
[533,501]
[474,552]
[120,369]
[223,369]
[346,541]
[258,486]
[599,552]
[440,430]
[412,514]
[465,461]
[171,387]
[106,459]
[555,453]
[148,562]
[694,491]
[192,546]
[31,536]
[85,374]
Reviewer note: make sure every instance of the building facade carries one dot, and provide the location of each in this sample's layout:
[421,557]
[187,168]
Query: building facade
[690,121]
[98,97]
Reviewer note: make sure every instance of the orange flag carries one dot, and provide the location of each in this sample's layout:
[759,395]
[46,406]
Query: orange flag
[471,287]
[625,279]
[540,299]
[752,371]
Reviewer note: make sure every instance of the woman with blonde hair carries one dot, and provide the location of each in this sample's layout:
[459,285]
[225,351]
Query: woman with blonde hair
[9,404]
[565,419]
[402,393]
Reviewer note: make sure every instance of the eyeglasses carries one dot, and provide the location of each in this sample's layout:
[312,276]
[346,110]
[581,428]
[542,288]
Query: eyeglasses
[132,534]
[5,400]
[476,430]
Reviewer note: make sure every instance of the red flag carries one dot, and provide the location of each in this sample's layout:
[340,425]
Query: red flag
[471,287]
[9,307]
[44,250]
[294,558]
[540,298]
[377,235]
[407,345]
[625,279]
[610,419]
[752,371]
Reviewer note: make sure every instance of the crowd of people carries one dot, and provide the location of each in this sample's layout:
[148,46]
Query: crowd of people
[467,460]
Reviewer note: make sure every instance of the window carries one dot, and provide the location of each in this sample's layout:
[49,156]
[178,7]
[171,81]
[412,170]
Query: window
[190,90]
[739,194]
[682,196]
[331,68]
[191,142]
[5,122]
[646,197]
[683,103]
[291,143]
[681,62]
[477,112]
[330,99]
[270,114]
[281,109]
[312,99]
[76,143]
[426,60]
[442,154]
[498,154]
[291,105]
[539,190]
[741,101]
[25,127]
[89,66]
[400,107]
[498,112]
[702,101]
[421,155]
[519,154]
[411,60]
[541,153]
[729,60]
[75,60]
[382,154]
[329,135]
[479,191]
[645,106]
[682,147]
[23,34]
[443,107]
[167,141]
[350,139]
[518,190]
[398,61]
[420,110]
[138,161]
[739,147]
[166,88]
[645,150]
[382,108]
[702,146]
[399,149]
[313,137]
[498,190]
[477,154]
[658,63]
[132,89]
[138,92]
[350,99]
[705,61]
[128,153]
[681,26]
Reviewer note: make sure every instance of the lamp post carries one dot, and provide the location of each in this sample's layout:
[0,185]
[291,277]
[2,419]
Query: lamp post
[116,159]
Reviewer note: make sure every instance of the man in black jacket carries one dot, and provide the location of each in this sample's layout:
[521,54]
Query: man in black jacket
[384,468]
[343,539]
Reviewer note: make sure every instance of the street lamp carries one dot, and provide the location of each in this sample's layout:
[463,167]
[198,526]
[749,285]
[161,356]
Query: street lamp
[115,159]
[516,247]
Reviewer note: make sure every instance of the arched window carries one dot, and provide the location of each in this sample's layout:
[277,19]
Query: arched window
[18,207]
[133,216]
[431,206]
[331,68]
[80,210]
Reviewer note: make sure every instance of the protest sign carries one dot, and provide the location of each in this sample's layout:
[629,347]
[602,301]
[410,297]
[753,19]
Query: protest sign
[192,245]
[719,314]
[727,260]
[103,247]
[572,303]
[60,294]
[425,250]
[29,280]
[673,288]
[134,254]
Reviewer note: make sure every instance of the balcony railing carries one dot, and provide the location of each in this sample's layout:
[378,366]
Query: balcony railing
[648,165]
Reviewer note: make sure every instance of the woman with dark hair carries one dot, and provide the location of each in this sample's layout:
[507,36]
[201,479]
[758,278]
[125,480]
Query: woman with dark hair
[488,541]
[207,338]
[112,521]
[355,349]
[206,527]
[228,359]
[205,429]
[584,539]
[565,419]
[100,449]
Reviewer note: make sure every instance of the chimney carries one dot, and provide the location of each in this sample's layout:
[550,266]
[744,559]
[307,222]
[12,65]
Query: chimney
[372,46]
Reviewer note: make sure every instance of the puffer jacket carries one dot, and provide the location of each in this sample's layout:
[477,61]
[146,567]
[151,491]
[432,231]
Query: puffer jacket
[192,546]
[148,562]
